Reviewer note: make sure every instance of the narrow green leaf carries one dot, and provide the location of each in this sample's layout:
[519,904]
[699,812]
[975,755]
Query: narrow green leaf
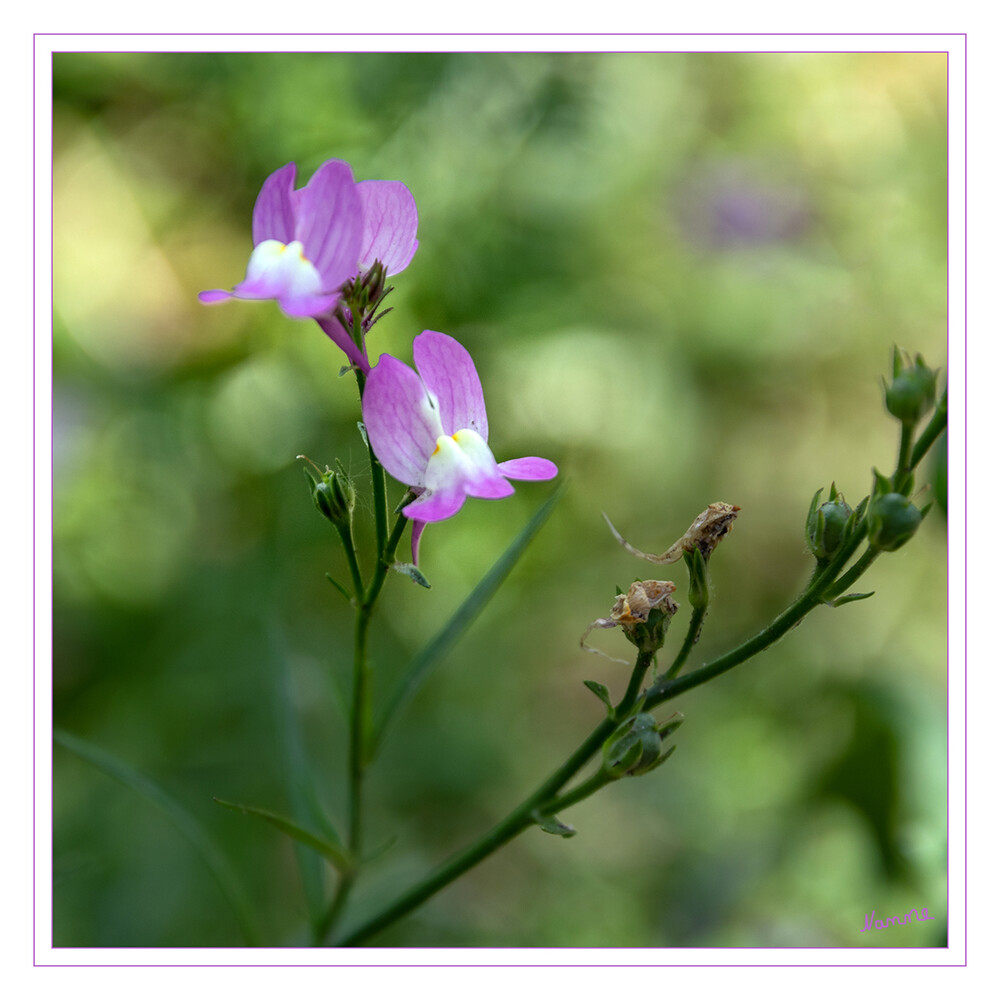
[662,760]
[335,854]
[408,569]
[297,770]
[341,588]
[216,861]
[601,691]
[417,669]
[848,598]
[554,826]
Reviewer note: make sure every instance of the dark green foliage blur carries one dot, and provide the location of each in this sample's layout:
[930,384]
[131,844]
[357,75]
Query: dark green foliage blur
[681,277]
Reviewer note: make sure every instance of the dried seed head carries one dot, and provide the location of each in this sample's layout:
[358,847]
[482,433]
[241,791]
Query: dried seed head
[642,597]
[708,529]
[643,614]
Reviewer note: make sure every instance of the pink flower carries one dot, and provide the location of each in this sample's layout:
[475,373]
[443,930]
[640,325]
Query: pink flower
[428,429]
[307,243]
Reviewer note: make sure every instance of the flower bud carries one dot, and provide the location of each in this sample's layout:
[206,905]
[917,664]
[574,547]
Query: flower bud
[698,586]
[892,521]
[827,524]
[634,747]
[333,494]
[913,388]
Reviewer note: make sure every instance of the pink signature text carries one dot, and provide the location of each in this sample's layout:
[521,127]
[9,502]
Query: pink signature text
[879,925]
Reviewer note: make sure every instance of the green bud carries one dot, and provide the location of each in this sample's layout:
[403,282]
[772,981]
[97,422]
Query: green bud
[333,494]
[634,747]
[913,388]
[892,521]
[827,524]
[650,635]
[698,588]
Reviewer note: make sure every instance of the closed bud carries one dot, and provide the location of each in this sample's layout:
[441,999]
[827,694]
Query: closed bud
[892,521]
[827,524]
[698,586]
[634,747]
[913,388]
[333,494]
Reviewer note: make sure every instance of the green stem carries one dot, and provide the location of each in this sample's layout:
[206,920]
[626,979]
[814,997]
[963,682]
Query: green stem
[378,483]
[694,629]
[903,463]
[849,578]
[360,726]
[516,822]
[935,426]
[624,708]
[582,791]
[347,538]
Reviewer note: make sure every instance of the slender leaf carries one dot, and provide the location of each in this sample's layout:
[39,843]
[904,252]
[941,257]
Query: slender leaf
[417,669]
[602,692]
[550,824]
[335,854]
[341,588]
[216,861]
[848,598]
[408,569]
[300,786]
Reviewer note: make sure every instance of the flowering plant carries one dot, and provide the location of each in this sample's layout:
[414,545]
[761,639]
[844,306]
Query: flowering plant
[323,252]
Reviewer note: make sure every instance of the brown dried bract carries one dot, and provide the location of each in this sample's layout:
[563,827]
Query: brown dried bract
[708,529]
[641,598]
[634,608]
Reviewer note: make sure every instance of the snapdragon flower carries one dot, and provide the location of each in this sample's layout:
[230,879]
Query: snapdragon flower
[428,428]
[307,243]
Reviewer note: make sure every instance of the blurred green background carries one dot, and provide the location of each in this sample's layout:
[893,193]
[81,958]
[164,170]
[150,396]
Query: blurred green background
[681,276]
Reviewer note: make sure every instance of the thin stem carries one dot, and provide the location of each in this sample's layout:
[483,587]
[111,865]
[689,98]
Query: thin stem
[582,791]
[378,483]
[693,631]
[347,538]
[935,426]
[903,462]
[360,727]
[517,821]
[330,919]
[848,579]
[624,708]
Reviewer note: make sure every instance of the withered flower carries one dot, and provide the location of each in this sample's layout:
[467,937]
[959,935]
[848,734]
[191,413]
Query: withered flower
[708,529]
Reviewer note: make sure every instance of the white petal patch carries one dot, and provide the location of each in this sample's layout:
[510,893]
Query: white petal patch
[462,461]
[280,271]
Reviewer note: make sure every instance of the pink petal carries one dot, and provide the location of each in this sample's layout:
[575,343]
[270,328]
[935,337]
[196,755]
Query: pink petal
[529,468]
[436,506]
[329,221]
[449,372]
[390,226]
[402,424]
[418,530]
[273,216]
[343,340]
[306,306]
[488,488]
